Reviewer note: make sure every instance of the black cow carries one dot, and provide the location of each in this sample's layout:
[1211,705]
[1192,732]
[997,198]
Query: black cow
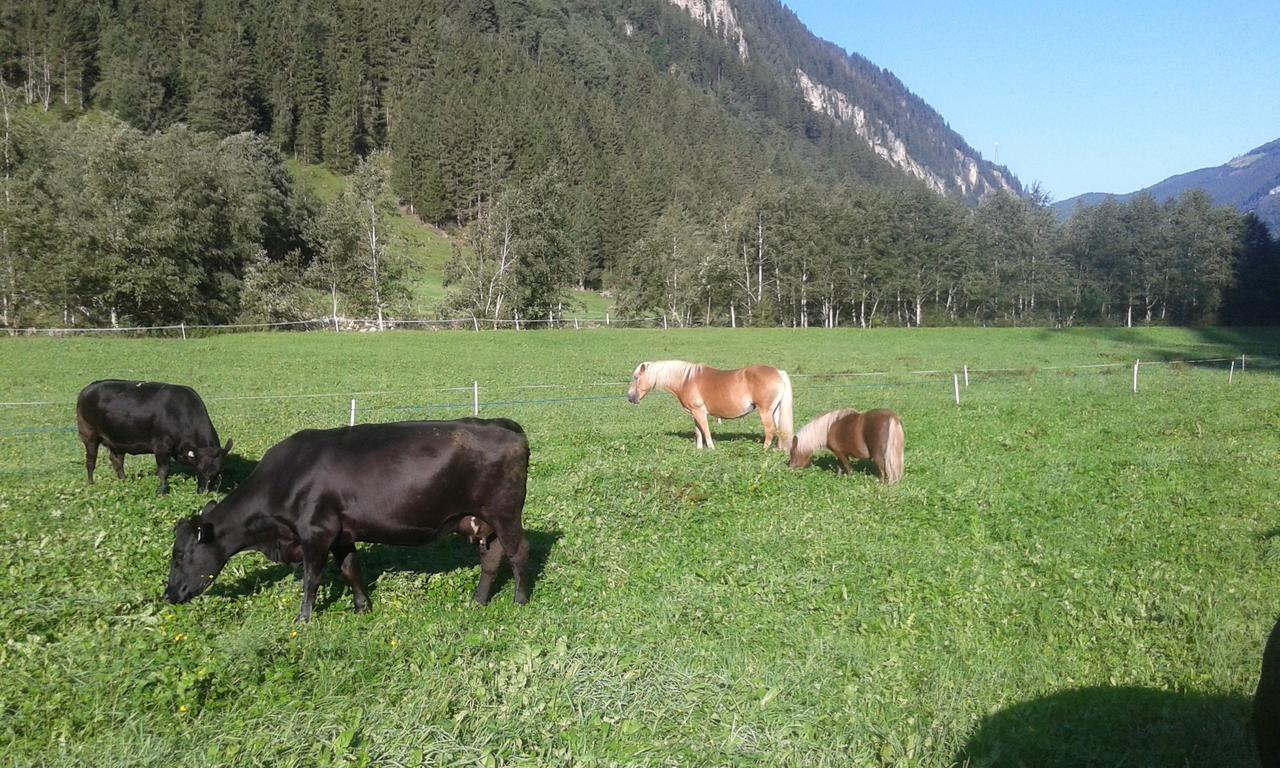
[320,491]
[168,420]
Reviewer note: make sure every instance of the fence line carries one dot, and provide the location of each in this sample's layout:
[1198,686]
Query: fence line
[349,324]
[476,386]
[476,404]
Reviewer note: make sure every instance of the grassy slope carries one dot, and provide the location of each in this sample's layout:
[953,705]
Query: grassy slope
[426,250]
[1068,575]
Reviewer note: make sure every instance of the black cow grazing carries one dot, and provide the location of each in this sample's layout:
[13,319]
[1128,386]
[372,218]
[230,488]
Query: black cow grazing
[321,490]
[168,420]
[1266,703]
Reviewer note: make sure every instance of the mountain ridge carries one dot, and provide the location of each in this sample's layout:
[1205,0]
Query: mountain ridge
[1248,182]
[900,127]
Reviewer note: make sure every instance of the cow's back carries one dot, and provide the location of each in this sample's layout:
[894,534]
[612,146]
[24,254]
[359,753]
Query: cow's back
[396,482]
[135,412]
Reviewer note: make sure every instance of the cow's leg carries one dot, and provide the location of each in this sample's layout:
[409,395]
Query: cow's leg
[490,559]
[700,416]
[345,553]
[313,560]
[117,463]
[90,455]
[162,472]
[517,549]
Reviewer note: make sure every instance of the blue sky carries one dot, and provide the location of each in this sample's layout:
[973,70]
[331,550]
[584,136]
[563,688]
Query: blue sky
[1081,96]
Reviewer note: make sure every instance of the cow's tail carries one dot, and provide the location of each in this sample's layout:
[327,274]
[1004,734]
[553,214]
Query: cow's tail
[782,413]
[893,453]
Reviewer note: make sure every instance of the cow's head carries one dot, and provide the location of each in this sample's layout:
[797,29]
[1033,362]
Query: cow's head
[198,557]
[640,384]
[207,462]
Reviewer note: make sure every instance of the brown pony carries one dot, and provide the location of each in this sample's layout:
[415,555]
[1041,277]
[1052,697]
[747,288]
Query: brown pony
[875,435]
[704,390]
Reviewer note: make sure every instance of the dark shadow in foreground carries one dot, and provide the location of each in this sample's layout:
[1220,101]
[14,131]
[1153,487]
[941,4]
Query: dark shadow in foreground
[1116,726]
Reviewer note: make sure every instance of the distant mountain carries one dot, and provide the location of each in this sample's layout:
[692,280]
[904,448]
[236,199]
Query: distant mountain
[1248,183]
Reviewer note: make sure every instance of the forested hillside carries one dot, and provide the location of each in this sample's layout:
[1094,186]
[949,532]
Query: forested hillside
[707,159]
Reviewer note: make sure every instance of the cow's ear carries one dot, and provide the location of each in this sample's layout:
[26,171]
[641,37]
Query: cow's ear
[204,534]
[227,448]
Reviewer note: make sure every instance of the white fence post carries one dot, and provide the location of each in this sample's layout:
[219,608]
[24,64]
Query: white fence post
[1231,373]
[575,322]
[1242,363]
[606,318]
[733,316]
[1136,363]
[664,321]
[184,330]
[955,377]
[476,323]
[475,398]
[353,413]
[966,375]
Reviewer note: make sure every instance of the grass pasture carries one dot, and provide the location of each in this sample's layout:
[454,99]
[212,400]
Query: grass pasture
[1069,574]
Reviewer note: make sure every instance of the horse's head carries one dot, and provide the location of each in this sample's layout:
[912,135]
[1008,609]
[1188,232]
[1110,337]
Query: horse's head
[798,460]
[640,384]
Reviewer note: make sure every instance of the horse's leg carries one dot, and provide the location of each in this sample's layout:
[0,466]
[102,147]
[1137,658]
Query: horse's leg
[700,416]
[697,430]
[844,463]
[766,418]
[877,458]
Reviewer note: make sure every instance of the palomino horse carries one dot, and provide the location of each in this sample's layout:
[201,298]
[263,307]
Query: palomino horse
[704,390]
[875,435]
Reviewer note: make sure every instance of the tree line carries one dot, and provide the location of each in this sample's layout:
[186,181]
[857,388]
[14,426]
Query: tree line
[618,147]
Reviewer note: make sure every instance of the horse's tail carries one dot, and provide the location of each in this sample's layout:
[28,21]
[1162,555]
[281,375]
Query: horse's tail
[893,453]
[782,413]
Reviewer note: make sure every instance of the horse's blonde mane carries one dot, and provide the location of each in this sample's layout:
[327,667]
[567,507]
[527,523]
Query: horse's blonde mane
[666,374]
[814,434]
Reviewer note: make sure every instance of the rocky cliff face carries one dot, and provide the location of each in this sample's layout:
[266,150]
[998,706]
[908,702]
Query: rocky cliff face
[897,125]
[719,15]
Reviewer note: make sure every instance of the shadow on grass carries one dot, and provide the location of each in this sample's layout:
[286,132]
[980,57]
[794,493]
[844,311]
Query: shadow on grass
[235,470]
[829,463]
[450,554]
[723,437]
[441,556]
[1262,345]
[1115,726]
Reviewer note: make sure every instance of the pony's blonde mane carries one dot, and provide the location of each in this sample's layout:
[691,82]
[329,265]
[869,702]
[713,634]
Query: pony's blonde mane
[814,434]
[668,374]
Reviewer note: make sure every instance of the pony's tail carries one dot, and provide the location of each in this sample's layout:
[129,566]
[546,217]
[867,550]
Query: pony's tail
[893,453]
[782,413]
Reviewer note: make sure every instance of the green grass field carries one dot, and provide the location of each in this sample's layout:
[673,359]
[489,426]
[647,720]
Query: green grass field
[1069,574]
